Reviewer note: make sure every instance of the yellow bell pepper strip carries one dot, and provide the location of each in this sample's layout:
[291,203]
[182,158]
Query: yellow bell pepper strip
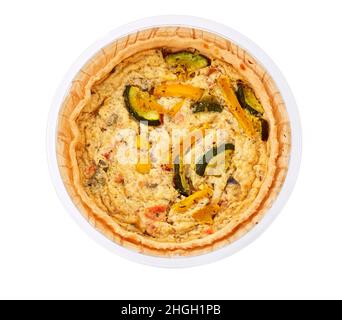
[178,90]
[143,167]
[205,214]
[235,107]
[154,105]
[187,202]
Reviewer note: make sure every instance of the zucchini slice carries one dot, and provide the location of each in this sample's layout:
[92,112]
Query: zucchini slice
[265,129]
[241,98]
[251,104]
[208,157]
[187,60]
[206,106]
[248,100]
[138,106]
[179,179]
[260,125]
[252,100]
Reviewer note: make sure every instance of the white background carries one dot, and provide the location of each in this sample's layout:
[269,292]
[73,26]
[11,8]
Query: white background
[44,254]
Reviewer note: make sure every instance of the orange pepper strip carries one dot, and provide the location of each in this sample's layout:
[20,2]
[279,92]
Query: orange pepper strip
[143,167]
[187,202]
[205,214]
[178,90]
[154,105]
[234,106]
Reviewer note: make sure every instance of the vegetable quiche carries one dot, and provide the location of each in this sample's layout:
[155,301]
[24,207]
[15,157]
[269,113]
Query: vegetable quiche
[173,141]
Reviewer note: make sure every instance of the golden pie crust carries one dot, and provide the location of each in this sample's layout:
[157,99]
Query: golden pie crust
[101,64]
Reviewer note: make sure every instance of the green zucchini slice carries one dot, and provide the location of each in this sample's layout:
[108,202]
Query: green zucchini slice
[260,125]
[251,104]
[208,158]
[180,181]
[187,60]
[252,100]
[206,106]
[248,100]
[133,99]
[265,129]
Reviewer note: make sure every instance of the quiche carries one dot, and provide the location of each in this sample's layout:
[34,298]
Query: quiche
[173,141]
